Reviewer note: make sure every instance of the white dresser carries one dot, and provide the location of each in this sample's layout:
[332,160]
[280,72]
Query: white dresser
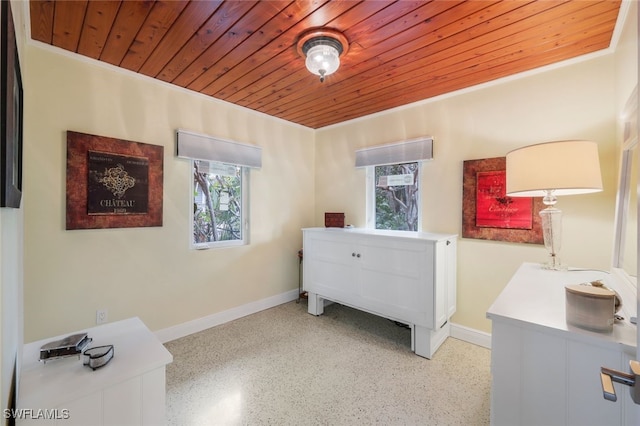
[546,372]
[409,277]
[129,390]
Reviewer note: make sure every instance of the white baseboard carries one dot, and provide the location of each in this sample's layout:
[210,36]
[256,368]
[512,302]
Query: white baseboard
[460,332]
[194,326]
[471,335]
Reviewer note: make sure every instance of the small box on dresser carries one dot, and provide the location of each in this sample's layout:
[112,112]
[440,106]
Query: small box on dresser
[334,220]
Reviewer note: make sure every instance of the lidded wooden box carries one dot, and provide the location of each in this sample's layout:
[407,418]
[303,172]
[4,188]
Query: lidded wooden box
[591,306]
[334,220]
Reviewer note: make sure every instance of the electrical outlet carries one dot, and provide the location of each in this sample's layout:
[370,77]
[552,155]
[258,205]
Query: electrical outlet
[101,316]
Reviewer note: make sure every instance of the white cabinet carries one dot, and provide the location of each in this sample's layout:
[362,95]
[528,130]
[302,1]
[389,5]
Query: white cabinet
[546,372]
[408,277]
[129,390]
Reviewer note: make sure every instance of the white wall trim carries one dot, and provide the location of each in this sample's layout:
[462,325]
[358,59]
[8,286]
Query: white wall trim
[100,64]
[168,334]
[200,324]
[475,88]
[624,8]
[470,335]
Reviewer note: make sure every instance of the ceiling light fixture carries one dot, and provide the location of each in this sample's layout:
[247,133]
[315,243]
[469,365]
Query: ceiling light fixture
[321,49]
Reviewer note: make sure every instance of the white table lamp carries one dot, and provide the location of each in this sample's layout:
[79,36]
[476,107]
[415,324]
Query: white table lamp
[549,170]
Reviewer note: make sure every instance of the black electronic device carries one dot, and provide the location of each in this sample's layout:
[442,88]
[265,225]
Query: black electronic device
[68,346]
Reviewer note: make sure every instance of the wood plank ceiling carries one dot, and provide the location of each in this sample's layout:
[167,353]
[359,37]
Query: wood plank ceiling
[399,52]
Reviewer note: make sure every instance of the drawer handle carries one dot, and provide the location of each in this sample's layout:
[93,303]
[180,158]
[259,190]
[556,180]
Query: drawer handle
[353,255]
[358,255]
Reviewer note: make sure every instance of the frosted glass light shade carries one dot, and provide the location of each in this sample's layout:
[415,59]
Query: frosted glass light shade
[566,167]
[321,49]
[323,60]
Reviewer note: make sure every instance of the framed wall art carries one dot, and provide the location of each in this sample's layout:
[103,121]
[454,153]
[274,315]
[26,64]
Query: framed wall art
[10,112]
[113,183]
[489,214]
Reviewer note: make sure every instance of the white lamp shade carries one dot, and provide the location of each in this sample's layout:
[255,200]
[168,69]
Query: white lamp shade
[567,167]
[323,59]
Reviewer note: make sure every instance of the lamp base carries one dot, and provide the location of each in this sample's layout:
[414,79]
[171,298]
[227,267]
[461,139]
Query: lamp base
[552,231]
[553,264]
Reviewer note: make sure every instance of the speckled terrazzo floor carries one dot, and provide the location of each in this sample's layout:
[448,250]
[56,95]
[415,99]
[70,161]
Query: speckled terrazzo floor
[283,366]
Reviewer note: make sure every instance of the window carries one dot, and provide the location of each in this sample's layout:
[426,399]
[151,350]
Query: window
[393,183]
[394,197]
[219,204]
[219,207]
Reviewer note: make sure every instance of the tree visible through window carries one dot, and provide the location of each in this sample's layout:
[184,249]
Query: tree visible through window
[396,196]
[217,203]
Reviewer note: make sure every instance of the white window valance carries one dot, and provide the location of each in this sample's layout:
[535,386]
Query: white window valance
[202,147]
[419,149]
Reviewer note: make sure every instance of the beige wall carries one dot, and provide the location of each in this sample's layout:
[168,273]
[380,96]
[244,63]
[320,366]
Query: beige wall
[571,102]
[149,272]
[11,310]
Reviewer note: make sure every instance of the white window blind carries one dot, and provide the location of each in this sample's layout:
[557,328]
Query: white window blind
[195,146]
[396,153]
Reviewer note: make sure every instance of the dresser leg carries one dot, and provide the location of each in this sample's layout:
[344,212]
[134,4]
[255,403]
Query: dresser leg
[425,342]
[421,341]
[315,304]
